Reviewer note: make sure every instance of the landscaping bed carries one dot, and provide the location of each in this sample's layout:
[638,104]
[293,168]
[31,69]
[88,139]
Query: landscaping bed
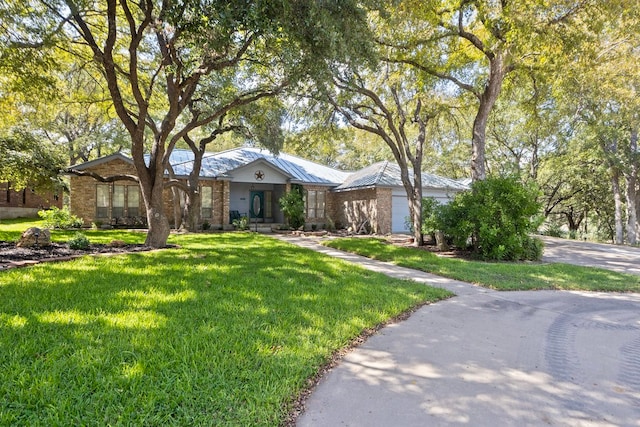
[10,253]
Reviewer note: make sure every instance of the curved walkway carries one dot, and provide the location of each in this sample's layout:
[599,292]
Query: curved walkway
[488,358]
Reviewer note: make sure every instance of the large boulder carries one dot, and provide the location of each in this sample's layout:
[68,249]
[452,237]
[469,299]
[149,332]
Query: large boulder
[34,236]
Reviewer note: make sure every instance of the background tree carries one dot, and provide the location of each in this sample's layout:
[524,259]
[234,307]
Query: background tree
[386,103]
[472,46]
[26,161]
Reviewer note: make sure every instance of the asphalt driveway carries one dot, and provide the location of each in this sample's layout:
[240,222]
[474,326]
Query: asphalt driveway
[487,358]
[624,259]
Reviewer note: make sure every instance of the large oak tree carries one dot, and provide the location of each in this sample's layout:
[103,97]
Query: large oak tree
[155,55]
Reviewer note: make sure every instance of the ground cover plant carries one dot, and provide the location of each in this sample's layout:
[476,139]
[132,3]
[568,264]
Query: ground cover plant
[503,276]
[225,330]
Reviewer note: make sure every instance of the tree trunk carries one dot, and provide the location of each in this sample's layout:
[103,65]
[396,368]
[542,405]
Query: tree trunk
[152,186]
[617,199]
[158,225]
[177,208]
[415,210]
[630,191]
[191,217]
[191,214]
[497,72]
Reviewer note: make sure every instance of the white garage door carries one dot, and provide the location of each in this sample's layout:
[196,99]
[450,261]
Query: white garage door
[399,213]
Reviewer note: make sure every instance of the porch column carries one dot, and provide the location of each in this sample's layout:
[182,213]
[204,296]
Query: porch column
[226,185]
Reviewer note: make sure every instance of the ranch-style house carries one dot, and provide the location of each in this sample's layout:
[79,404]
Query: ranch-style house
[249,182]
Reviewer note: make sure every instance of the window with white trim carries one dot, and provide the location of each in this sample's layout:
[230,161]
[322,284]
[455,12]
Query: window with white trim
[315,204]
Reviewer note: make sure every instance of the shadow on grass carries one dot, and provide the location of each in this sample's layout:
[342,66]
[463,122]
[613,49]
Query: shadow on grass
[225,330]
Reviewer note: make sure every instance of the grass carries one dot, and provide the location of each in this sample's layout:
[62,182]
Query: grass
[501,276]
[12,229]
[225,330]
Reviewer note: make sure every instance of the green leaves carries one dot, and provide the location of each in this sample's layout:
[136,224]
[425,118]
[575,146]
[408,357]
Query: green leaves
[26,161]
[496,215]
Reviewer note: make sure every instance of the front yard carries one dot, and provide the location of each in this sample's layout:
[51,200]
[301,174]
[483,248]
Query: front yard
[225,330]
[502,276]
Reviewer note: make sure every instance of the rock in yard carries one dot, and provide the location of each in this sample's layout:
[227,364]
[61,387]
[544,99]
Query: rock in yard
[34,236]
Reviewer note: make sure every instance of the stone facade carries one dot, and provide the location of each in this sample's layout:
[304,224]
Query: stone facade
[352,208]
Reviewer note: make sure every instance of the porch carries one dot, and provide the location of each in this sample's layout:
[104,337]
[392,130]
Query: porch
[257,202]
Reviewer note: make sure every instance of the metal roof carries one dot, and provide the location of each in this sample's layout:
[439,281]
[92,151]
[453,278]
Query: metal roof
[220,165]
[387,174]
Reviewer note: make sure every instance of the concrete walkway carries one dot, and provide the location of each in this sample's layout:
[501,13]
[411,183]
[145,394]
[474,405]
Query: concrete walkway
[487,358]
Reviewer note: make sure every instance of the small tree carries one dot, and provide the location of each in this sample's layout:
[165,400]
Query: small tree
[496,217]
[292,205]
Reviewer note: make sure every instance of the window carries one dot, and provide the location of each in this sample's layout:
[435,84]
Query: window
[206,199]
[122,200]
[314,203]
[102,201]
[320,204]
[118,201]
[133,200]
[311,204]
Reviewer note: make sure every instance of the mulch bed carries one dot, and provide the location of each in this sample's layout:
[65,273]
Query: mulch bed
[11,254]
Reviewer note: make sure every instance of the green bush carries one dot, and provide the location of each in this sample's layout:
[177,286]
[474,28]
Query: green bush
[59,218]
[554,230]
[495,218]
[292,205]
[79,241]
[430,216]
[241,223]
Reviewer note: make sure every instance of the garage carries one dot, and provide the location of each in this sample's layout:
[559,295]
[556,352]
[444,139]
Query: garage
[399,213]
[400,206]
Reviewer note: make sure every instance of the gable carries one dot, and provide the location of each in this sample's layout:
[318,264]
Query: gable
[259,171]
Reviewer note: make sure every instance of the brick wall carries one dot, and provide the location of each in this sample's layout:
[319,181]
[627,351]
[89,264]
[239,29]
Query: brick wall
[83,194]
[27,202]
[352,208]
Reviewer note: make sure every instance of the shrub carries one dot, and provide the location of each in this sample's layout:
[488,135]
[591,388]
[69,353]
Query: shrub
[495,217]
[59,218]
[292,205]
[241,223]
[79,241]
[554,230]
[430,216]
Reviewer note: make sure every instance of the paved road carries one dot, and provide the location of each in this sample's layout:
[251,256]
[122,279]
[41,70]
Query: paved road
[624,259]
[488,358]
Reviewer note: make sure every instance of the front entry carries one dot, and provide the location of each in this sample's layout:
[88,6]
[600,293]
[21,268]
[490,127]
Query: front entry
[256,204]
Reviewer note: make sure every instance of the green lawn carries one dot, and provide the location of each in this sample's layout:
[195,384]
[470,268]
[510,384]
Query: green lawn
[225,330]
[502,276]
[11,229]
